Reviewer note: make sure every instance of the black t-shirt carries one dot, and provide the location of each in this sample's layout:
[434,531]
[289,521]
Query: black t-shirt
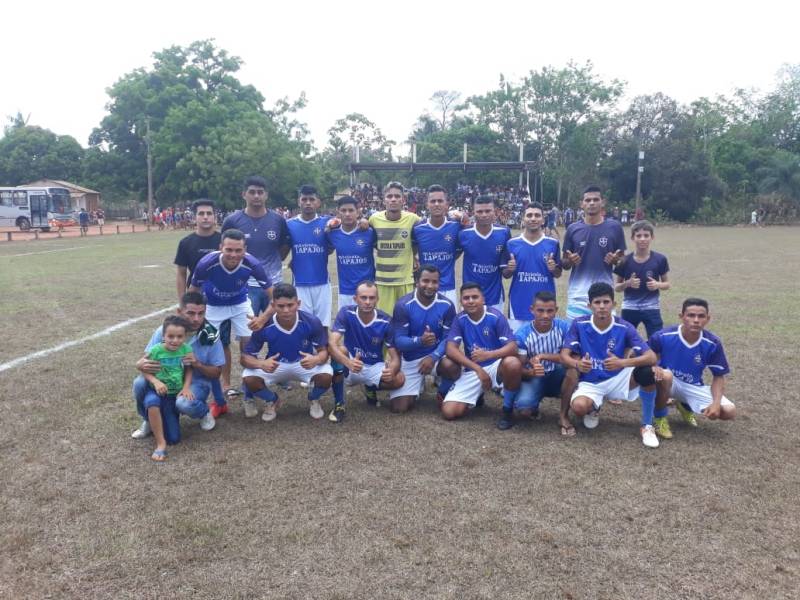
[194,247]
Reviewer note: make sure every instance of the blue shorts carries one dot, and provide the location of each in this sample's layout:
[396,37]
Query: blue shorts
[651,319]
[533,390]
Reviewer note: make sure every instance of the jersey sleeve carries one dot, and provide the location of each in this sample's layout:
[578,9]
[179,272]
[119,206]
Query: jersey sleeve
[505,256]
[254,344]
[718,362]
[455,335]
[200,273]
[217,355]
[620,243]
[447,322]
[388,337]
[634,340]
[228,224]
[340,323]
[182,255]
[664,266]
[400,324]
[557,254]
[519,336]
[572,339]
[622,267]
[504,333]
[568,242]
[655,342]
[319,337]
[258,272]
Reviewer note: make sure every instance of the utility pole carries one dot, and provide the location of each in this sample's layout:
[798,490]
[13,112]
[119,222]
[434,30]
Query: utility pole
[149,172]
[639,172]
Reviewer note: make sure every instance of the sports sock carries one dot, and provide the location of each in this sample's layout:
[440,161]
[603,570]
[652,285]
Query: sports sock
[444,386]
[648,406]
[267,395]
[661,412]
[315,393]
[338,392]
[216,390]
[508,399]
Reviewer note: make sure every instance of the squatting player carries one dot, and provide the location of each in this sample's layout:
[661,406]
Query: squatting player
[297,350]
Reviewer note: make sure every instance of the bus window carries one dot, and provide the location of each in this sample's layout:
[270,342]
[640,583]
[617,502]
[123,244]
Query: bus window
[21,198]
[59,200]
[6,198]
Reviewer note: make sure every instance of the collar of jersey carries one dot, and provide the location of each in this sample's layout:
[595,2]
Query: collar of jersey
[224,268]
[527,241]
[485,312]
[683,340]
[374,317]
[278,325]
[606,330]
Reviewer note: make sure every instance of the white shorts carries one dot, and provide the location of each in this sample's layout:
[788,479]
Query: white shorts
[344,300]
[468,387]
[288,372]
[414,379]
[697,397]
[516,324]
[317,300]
[237,314]
[498,307]
[451,295]
[616,388]
[369,375]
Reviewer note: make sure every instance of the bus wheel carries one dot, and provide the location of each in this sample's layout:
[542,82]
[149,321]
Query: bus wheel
[23,224]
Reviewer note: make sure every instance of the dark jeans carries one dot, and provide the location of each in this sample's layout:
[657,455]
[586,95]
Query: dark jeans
[651,319]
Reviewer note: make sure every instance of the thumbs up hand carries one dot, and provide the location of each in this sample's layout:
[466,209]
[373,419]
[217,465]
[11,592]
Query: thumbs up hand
[356,364]
[511,267]
[585,364]
[634,282]
[308,361]
[428,338]
[271,363]
[612,362]
[538,367]
[573,258]
[652,284]
[551,263]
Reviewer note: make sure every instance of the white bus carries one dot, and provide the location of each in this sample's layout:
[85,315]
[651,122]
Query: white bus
[32,207]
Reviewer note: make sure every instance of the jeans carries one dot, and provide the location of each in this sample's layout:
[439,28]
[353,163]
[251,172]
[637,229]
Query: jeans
[533,390]
[194,409]
[651,319]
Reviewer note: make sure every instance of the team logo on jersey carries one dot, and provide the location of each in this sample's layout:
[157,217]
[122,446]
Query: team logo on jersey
[317,231]
[649,275]
[603,241]
[499,248]
[376,341]
[359,242]
[440,323]
[240,282]
[404,234]
[486,331]
[698,359]
[611,345]
[271,235]
[448,237]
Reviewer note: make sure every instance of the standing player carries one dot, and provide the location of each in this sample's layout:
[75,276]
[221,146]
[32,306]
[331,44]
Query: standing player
[534,261]
[591,248]
[394,265]
[685,351]
[357,341]
[484,246]
[421,323]
[489,357]
[310,256]
[597,347]
[296,351]
[436,241]
[355,261]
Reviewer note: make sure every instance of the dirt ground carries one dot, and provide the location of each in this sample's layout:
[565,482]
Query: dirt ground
[390,506]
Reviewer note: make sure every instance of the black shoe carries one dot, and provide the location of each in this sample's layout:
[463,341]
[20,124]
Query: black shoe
[338,414]
[506,421]
[480,401]
[371,395]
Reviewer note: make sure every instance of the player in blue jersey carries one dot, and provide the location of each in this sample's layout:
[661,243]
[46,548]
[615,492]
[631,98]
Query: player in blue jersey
[354,246]
[359,336]
[543,374]
[489,357]
[421,323]
[297,350]
[310,256]
[598,347]
[591,248]
[534,261]
[684,352]
[484,246]
[436,241]
[642,275]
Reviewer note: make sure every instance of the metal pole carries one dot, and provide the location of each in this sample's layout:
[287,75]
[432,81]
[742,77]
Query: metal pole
[521,159]
[639,170]
[149,172]
[465,153]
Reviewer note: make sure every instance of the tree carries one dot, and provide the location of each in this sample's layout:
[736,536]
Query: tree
[28,153]
[443,101]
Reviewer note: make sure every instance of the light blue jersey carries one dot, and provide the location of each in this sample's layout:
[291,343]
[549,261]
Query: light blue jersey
[355,261]
[410,320]
[490,332]
[367,339]
[532,342]
[438,246]
[532,275]
[687,361]
[309,250]
[484,257]
[228,288]
[306,335]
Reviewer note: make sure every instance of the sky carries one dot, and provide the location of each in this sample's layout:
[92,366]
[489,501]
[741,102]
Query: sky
[382,59]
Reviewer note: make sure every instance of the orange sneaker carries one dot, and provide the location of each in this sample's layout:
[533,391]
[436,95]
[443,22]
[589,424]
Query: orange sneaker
[217,410]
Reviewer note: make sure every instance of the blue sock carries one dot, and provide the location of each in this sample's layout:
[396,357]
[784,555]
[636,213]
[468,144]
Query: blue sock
[338,392]
[508,399]
[267,395]
[316,392]
[444,386]
[248,395]
[216,390]
[372,388]
[661,412]
[648,406]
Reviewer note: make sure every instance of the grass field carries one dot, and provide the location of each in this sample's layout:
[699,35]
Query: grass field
[388,506]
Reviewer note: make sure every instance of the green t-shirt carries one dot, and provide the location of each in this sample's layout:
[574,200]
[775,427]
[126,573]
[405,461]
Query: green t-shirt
[171,373]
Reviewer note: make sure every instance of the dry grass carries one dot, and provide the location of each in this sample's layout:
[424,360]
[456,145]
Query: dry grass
[390,506]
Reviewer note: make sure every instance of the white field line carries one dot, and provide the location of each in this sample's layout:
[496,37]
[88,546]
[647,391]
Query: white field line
[45,251]
[107,331]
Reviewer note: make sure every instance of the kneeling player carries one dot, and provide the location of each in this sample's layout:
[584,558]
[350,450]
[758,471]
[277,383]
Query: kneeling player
[421,322]
[596,345]
[489,357]
[296,351]
[357,340]
[684,351]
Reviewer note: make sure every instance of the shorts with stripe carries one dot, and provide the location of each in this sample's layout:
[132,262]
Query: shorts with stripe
[698,397]
[614,388]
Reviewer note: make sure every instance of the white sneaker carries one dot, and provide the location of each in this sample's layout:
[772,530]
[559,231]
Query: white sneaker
[315,410]
[591,420]
[270,412]
[143,431]
[649,437]
[208,422]
[250,408]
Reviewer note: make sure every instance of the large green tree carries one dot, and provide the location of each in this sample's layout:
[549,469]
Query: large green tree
[28,153]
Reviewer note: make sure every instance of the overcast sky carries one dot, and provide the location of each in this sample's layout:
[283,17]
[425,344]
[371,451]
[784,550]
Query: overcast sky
[385,59]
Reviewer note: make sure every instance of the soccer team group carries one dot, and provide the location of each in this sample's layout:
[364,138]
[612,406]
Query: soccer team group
[398,320]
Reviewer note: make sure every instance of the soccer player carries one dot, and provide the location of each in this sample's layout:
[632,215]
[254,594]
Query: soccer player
[642,275]
[591,248]
[296,351]
[355,261]
[484,246]
[436,241]
[534,261]
[421,323]
[206,362]
[684,352]
[543,374]
[394,265]
[357,341]
[489,357]
[596,345]
[310,256]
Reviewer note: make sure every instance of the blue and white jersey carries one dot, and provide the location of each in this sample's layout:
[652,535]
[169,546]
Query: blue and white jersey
[687,361]
[490,332]
[484,257]
[411,318]
[228,288]
[584,337]
[531,342]
[655,267]
[309,250]
[355,260]
[368,339]
[211,354]
[306,335]
[592,242]
[438,246]
[532,275]
[264,237]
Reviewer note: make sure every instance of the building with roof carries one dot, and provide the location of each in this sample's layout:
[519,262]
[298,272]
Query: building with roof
[80,197]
